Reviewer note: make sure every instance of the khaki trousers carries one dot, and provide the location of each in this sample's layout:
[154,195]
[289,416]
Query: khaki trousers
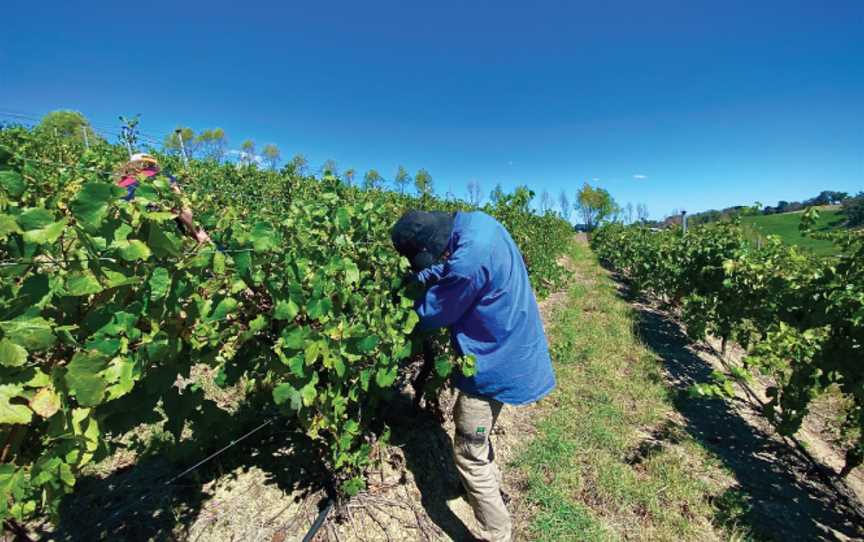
[475,417]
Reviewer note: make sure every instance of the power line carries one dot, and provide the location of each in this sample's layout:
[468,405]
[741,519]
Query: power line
[103,130]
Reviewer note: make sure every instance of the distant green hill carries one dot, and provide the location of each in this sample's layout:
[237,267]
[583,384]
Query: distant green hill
[785,226]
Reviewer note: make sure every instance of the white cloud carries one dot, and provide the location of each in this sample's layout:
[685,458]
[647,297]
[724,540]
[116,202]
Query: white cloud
[639,176]
[596,179]
[243,155]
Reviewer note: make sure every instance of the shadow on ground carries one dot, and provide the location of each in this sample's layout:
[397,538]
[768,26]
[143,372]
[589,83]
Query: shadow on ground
[788,501]
[428,454]
[135,503]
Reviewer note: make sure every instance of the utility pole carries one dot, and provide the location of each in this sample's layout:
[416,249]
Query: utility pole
[684,221]
[126,137]
[182,147]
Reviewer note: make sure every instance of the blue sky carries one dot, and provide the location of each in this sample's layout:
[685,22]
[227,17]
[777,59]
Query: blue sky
[687,104]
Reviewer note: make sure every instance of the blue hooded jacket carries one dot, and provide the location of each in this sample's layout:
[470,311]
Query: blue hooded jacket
[483,295]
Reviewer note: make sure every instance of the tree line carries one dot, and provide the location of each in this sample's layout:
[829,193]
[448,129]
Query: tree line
[589,206]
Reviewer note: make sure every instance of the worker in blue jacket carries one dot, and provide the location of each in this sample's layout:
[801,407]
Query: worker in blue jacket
[478,287]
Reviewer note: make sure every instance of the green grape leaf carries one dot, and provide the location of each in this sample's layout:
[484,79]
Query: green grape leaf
[107,346]
[287,393]
[312,351]
[386,377]
[82,283]
[163,244]
[12,183]
[410,322]
[11,354]
[160,283]
[13,483]
[365,376]
[443,366]
[33,333]
[263,237]
[8,225]
[343,219]
[135,250]
[353,486]
[113,279]
[258,323]
[36,218]
[160,216]
[298,366]
[309,393]
[91,204]
[294,338]
[218,263]
[338,366]
[367,344]
[285,309]
[352,273]
[319,308]
[11,413]
[84,379]
[469,366]
[223,309]
[121,373]
[45,235]
[38,380]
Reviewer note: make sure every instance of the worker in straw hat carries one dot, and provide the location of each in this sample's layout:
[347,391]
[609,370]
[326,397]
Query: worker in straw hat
[142,166]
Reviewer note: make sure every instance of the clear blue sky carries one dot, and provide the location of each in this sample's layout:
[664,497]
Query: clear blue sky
[688,104]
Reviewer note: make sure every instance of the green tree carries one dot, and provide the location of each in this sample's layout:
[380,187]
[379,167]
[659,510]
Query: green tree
[497,193]
[595,205]
[853,208]
[213,144]
[423,183]
[190,141]
[330,168]
[372,180]
[298,164]
[271,155]
[248,155]
[475,195]
[402,179]
[349,175]
[545,202]
[449,195]
[68,125]
[564,204]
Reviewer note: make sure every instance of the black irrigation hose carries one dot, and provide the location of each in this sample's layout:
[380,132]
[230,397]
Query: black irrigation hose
[319,521]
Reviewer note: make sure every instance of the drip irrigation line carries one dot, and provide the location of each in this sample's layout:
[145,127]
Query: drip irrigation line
[170,481]
[219,452]
[62,165]
[55,261]
[319,521]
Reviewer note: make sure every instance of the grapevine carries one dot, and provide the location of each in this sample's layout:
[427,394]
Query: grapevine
[800,317]
[105,307]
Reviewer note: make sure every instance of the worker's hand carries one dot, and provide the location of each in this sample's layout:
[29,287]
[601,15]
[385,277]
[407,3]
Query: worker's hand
[202,237]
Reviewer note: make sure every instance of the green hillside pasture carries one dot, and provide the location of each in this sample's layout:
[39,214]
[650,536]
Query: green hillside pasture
[785,226]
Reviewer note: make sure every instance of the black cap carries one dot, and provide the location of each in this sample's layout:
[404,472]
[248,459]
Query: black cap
[422,236]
